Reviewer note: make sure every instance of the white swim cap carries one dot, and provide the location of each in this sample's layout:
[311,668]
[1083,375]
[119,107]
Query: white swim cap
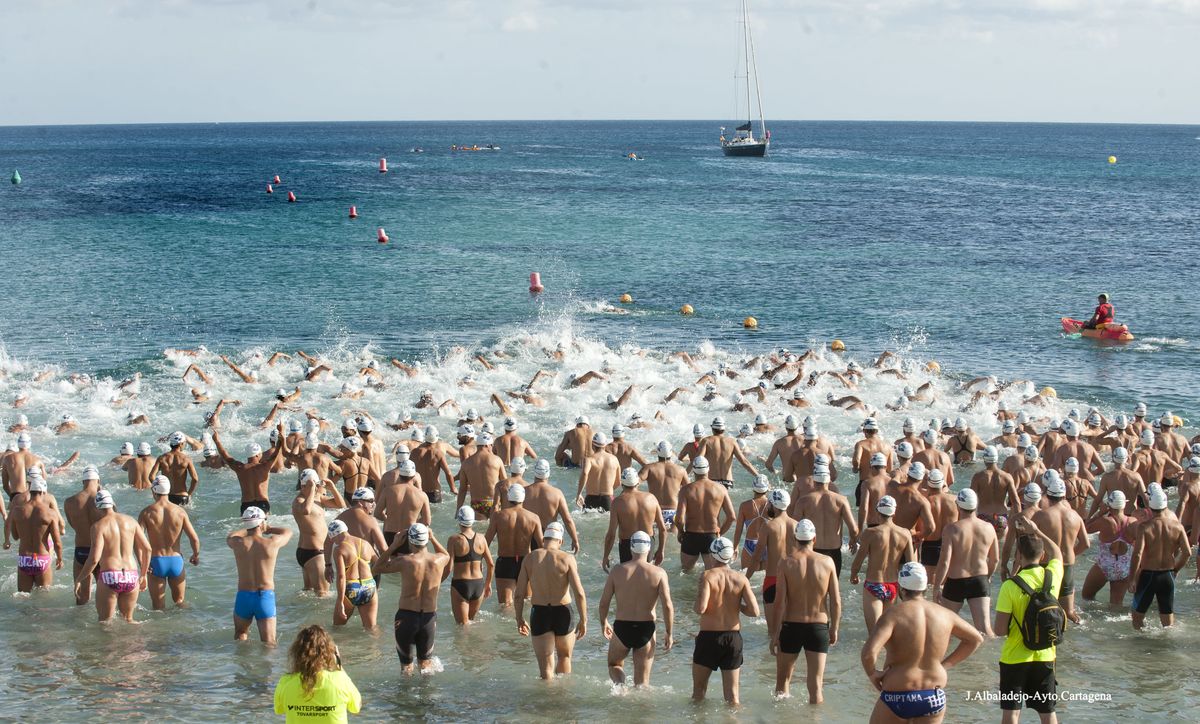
[960,424]
[779,499]
[252,517]
[930,436]
[618,431]
[821,459]
[761,483]
[472,414]
[1193,464]
[1052,481]
[1167,419]
[805,530]
[1071,465]
[365,424]
[253,449]
[718,423]
[1009,426]
[488,429]
[554,531]
[697,431]
[760,419]
[1070,428]
[635,417]
[991,454]
[913,577]
[1094,418]
[485,440]
[967,499]
[22,419]
[820,475]
[127,448]
[431,433]
[90,473]
[581,420]
[700,464]
[639,542]
[904,450]
[351,443]
[1140,410]
[510,423]
[465,516]
[722,550]
[336,528]
[312,425]
[349,423]
[516,494]
[516,466]
[363,494]
[541,469]
[909,424]
[161,486]
[916,471]
[664,450]
[599,440]
[37,484]
[797,394]
[1032,493]
[1031,453]
[466,430]
[878,460]
[418,534]
[810,432]
[946,424]
[176,439]
[311,441]
[935,478]
[1121,421]
[309,476]
[1148,438]
[407,469]
[402,453]
[629,478]
[23,441]
[1115,499]
[1158,496]
[1002,406]
[1022,418]
[1073,414]
[739,398]
[790,422]
[103,498]
[886,505]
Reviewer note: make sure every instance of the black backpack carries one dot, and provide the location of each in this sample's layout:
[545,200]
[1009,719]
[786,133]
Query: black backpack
[1045,620]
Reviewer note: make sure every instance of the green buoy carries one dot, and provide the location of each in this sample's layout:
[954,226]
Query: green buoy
[16,178]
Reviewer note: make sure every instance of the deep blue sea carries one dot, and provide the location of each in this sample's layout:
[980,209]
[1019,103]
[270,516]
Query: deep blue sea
[960,243]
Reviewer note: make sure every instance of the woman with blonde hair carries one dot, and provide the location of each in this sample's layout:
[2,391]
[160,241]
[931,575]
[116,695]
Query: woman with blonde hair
[316,689]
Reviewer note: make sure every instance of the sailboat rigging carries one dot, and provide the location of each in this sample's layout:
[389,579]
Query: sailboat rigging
[744,142]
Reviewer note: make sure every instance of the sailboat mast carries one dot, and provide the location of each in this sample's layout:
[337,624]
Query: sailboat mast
[746,50]
[762,121]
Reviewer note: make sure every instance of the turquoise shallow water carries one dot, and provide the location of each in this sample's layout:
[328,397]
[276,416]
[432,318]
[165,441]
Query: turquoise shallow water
[962,243]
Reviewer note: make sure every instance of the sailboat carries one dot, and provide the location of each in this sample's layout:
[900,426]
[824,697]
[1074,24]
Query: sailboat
[744,142]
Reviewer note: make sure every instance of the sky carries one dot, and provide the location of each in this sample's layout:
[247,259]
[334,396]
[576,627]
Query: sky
[159,61]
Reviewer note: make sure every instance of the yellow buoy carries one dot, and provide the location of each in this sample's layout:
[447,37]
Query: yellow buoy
[626,299]
[750,323]
[933,367]
[1112,159]
[1048,392]
[1178,421]
[686,310]
[837,346]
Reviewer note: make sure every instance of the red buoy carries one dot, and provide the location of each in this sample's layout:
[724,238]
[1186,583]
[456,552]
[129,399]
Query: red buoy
[535,283]
[291,197]
[277,181]
[353,212]
[383,165]
[269,189]
[383,237]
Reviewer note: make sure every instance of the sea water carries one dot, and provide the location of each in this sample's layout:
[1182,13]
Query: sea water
[960,243]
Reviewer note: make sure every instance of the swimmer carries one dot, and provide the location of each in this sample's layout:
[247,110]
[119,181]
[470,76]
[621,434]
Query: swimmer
[1160,552]
[1114,550]
[691,449]
[916,634]
[866,448]
[164,524]
[722,597]
[548,502]
[1007,436]
[872,486]
[910,436]
[969,556]
[312,457]
[194,368]
[575,446]
[598,476]
[176,465]
[80,511]
[1124,478]
[829,512]
[633,510]
[314,497]
[35,524]
[360,521]
[356,468]
[963,443]
[720,451]
[704,513]
[400,505]
[551,577]
[430,459]
[1153,464]
[932,458]
[255,549]
[254,475]
[751,514]
[16,464]
[1073,447]
[352,559]
[372,446]
[807,614]
[913,510]
[510,445]
[518,532]
[421,574]
[996,492]
[883,547]
[138,468]
[121,554]
[1079,488]
[625,453]
[470,580]
[639,588]
[1031,502]
[66,424]
[942,508]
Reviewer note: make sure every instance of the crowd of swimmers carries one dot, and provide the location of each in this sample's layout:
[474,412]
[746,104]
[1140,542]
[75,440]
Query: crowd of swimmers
[920,551]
